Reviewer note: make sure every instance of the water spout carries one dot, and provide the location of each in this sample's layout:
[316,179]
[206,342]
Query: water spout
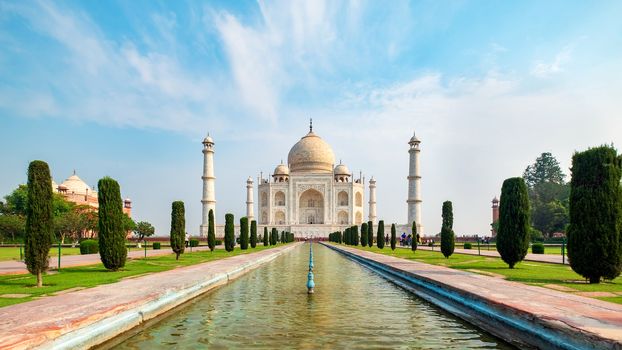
[310,282]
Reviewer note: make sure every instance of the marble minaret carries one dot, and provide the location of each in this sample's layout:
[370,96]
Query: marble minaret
[209,194]
[372,200]
[414,185]
[249,200]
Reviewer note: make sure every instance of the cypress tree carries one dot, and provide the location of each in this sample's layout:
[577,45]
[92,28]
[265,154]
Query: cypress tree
[211,232]
[364,234]
[393,237]
[253,234]
[414,236]
[283,237]
[273,235]
[447,231]
[513,234]
[178,228]
[244,233]
[111,236]
[370,234]
[594,237]
[380,236]
[39,220]
[355,235]
[345,236]
[229,233]
[265,236]
[339,237]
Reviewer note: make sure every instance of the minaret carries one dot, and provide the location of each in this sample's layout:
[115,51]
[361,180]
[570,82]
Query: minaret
[372,200]
[414,185]
[495,215]
[209,194]
[249,200]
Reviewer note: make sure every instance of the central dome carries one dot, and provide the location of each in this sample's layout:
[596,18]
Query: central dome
[311,154]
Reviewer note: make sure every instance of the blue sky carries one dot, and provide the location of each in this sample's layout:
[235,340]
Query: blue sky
[129,88]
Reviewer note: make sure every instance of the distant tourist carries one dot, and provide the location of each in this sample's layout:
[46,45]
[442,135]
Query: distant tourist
[187,239]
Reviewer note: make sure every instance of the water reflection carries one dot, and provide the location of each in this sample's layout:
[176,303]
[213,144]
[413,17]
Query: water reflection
[352,308]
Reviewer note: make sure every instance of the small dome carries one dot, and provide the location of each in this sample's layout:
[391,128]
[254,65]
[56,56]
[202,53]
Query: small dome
[311,154]
[414,139]
[341,169]
[208,139]
[74,184]
[127,200]
[281,169]
[495,200]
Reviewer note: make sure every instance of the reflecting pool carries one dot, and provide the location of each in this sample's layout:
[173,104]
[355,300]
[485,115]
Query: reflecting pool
[269,308]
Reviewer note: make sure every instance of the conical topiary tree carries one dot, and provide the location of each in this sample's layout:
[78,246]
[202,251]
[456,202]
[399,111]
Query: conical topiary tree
[273,235]
[229,233]
[253,234]
[244,233]
[265,237]
[513,234]
[211,232]
[380,236]
[414,236]
[39,219]
[364,234]
[594,234]
[111,235]
[355,235]
[393,237]
[447,231]
[370,233]
[178,228]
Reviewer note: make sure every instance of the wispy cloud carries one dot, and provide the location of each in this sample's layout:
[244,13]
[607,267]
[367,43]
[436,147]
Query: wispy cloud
[542,69]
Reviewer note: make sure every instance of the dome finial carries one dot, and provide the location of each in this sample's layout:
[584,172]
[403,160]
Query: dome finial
[310,124]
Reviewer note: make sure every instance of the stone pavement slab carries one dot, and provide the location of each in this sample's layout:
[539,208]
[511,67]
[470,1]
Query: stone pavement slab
[84,316]
[598,322]
[14,267]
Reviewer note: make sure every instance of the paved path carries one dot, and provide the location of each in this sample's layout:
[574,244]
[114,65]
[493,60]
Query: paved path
[598,322]
[51,320]
[547,258]
[14,267]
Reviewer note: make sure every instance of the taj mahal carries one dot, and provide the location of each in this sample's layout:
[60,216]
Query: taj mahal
[311,194]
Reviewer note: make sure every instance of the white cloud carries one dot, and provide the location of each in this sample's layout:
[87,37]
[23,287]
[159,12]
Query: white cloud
[543,69]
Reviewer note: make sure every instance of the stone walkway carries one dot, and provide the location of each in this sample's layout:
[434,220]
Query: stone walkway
[598,322]
[84,318]
[547,258]
[14,267]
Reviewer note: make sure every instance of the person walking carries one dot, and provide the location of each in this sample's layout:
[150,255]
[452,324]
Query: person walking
[187,239]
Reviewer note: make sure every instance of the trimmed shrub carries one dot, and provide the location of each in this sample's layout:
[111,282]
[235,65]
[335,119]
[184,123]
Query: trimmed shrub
[194,242]
[111,235]
[594,233]
[513,234]
[273,234]
[364,234]
[447,233]
[393,237]
[39,219]
[178,228]
[211,232]
[244,233]
[89,246]
[218,241]
[380,235]
[265,237]
[537,248]
[157,245]
[229,233]
[253,234]
[370,234]
[468,245]
[415,237]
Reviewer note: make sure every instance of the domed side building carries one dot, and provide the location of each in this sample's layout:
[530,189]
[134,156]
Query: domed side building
[311,194]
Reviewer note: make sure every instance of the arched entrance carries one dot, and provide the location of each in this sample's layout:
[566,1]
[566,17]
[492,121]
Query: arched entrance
[311,207]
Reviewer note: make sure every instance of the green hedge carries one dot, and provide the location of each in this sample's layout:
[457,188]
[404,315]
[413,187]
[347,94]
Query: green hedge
[156,245]
[537,248]
[89,246]
[194,242]
[468,246]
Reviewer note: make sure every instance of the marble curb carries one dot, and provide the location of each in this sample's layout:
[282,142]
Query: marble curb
[517,326]
[104,329]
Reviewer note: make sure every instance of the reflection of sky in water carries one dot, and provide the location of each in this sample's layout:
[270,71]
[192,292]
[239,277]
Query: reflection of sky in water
[351,308]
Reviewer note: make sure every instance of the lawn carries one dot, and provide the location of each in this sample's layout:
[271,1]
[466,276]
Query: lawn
[93,275]
[533,273]
[12,253]
[547,249]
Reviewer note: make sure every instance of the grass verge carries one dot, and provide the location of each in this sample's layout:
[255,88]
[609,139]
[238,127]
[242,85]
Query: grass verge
[15,289]
[553,276]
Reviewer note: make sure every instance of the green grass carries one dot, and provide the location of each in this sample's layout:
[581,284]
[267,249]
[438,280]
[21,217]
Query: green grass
[12,253]
[492,247]
[533,273]
[94,275]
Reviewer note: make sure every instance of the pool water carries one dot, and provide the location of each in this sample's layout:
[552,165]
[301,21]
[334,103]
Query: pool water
[269,308]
